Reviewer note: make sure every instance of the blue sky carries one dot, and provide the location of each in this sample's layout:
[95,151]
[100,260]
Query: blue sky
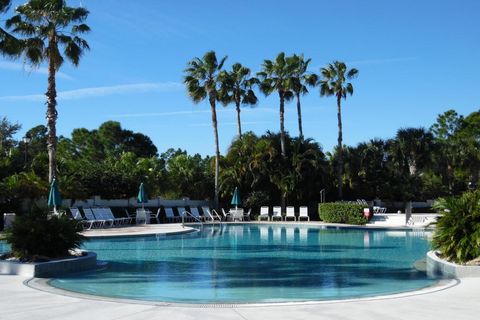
[416,59]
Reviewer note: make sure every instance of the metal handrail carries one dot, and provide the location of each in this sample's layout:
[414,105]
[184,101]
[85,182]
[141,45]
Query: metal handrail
[191,215]
[322,195]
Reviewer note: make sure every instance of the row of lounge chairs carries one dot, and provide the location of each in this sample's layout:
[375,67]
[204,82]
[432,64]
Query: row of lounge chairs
[376,209]
[98,217]
[103,217]
[277,213]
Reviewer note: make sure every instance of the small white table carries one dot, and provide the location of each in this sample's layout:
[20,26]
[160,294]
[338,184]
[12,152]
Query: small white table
[142,217]
[236,214]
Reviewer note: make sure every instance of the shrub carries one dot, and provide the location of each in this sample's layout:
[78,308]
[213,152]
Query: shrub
[342,212]
[457,235]
[35,235]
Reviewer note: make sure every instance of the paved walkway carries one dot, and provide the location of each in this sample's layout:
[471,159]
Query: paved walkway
[459,302]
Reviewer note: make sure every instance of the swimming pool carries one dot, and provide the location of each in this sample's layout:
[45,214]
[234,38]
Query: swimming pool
[4,247]
[245,263]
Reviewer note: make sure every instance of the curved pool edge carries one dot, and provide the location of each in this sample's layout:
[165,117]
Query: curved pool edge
[138,231]
[42,284]
[177,228]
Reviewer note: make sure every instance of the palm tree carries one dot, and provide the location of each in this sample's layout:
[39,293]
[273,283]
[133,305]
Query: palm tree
[9,45]
[47,26]
[300,80]
[334,82]
[202,81]
[276,76]
[236,87]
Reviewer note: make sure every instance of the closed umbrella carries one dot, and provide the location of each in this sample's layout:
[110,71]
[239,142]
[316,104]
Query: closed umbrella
[236,198]
[54,198]
[142,195]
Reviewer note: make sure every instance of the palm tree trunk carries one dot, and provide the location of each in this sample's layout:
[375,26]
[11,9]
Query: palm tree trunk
[340,148]
[217,147]
[51,114]
[239,124]
[282,125]
[283,200]
[299,112]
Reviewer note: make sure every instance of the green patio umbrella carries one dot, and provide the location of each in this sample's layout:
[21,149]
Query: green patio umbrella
[142,195]
[236,198]
[54,198]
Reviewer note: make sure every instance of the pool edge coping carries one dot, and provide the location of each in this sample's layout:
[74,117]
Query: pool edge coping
[42,284]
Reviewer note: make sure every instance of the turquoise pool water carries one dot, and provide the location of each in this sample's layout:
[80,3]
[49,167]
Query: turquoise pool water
[243,263]
[4,247]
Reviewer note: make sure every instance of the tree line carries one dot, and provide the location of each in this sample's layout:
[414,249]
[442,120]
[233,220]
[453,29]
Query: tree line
[415,164]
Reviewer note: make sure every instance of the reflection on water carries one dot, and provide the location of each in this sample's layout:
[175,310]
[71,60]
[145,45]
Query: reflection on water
[246,263]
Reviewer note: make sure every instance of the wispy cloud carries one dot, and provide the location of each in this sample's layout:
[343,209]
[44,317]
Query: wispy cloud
[229,124]
[157,114]
[102,91]
[12,66]
[190,112]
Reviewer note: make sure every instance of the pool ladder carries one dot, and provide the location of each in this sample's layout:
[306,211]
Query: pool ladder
[217,215]
[186,213]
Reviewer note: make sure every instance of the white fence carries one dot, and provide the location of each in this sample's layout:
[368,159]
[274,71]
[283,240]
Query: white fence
[97,201]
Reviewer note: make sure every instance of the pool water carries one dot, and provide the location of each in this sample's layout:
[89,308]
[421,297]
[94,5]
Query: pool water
[4,247]
[245,263]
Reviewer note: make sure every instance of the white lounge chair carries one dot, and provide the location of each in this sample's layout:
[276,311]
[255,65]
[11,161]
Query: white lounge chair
[303,214]
[182,212]
[196,214]
[107,213]
[155,216]
[90,216]
[277,213]
[226,215]
[126,220]
[263,214]
[377,209]
[210,215]
[171,216]
[236,214]
[75,212]
[290,213]
[100,215]
[246,215]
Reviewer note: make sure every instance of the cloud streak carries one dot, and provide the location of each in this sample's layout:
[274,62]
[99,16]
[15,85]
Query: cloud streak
[157,114]
[102,91]
[12,66]
[189,112]
[231,124]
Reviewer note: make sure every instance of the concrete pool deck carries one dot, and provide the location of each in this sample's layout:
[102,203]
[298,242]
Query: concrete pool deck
[460,300]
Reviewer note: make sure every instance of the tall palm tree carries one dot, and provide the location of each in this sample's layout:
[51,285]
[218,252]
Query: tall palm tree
[276,76]
[334,82]
[9,45]
[47,26]
[300,80]
[236,87]
[202,81]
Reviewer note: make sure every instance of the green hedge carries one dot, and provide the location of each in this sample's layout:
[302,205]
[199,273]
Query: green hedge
[342,212]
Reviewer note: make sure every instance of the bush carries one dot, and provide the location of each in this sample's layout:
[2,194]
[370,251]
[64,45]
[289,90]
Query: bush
[342,212]
[36,235]
[457,235]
